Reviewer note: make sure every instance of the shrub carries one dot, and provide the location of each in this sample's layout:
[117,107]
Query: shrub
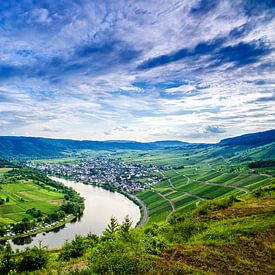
[33,259]
[74,249]
[116,257]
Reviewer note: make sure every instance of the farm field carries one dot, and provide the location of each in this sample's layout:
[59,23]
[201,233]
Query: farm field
[158,207]
[186,186]
[25,195]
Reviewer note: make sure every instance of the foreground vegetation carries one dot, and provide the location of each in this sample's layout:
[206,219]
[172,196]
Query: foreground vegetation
[226,236]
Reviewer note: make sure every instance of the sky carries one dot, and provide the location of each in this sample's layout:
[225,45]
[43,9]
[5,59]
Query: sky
[190,70]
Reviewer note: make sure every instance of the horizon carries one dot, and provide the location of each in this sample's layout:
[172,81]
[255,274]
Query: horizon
[192,71]
[125,140]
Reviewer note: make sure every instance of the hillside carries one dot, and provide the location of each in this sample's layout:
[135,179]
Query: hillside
[229,236]
[32,147]
[36,147]
[253,139]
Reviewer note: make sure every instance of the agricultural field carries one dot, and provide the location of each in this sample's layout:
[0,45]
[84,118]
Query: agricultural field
[190,179]
[23,195]
[158,207]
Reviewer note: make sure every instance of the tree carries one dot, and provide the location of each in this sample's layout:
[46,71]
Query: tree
[111,229]
[2,230]
[7,261]
[74,249]
[125,227]
[33,259]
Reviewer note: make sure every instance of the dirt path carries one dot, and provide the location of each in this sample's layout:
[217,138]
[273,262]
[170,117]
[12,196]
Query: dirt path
[189,194]
[171,203]
[231,186]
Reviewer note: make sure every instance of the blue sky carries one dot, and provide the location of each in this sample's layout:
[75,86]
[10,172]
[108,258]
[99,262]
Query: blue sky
[191,70]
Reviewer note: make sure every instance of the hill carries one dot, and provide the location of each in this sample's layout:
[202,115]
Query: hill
[37,147]
[11,146]
[253,139]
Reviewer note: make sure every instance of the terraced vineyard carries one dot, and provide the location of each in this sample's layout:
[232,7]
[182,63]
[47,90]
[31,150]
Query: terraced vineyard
[158,207]
[184,189]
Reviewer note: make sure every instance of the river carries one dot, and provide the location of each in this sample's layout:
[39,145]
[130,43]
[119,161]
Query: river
[100,206]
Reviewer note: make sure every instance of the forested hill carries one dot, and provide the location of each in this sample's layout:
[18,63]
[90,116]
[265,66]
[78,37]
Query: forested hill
[37,147]
[12,146]
[253,139]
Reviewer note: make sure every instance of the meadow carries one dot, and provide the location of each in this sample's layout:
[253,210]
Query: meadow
[22,195]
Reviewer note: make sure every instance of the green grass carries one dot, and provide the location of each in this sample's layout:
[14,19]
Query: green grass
[56,160]
[226,230]
[186,207]
[4,170]
[23,196]
[183,200]
[250,179]
[174,195]
[223,178]
[209,175]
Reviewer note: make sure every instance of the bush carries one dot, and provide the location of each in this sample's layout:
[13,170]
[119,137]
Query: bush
[155,244]
[33,259]
[74,249]
[263,191]
[183,231]
[116,257]
[214,205]
[7,262]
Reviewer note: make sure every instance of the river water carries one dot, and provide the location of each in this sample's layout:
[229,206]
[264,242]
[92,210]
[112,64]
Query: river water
[100,206]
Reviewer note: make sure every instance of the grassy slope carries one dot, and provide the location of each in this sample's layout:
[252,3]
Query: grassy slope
[4,170]
[236,240]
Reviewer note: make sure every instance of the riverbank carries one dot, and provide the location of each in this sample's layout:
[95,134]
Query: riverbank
[40,230]
[144,212]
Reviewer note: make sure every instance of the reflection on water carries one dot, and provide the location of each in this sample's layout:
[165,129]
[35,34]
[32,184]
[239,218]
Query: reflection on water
[100,206]
[22,241]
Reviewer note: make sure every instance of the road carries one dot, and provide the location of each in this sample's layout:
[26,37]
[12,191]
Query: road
[217,184]
[171,203]
[145,216]
[189,180]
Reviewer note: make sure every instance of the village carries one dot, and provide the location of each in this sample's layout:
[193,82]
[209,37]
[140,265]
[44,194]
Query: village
[100,171]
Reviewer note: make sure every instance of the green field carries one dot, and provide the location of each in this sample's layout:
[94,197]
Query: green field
[204,174]
[25,195]
[158,207]
[4,170]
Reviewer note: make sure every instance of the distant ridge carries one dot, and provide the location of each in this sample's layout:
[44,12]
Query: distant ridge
[13,146]
[170,143]
[38,147]
[252,139]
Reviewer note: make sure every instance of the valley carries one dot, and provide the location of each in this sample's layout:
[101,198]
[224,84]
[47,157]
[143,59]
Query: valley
[201,205]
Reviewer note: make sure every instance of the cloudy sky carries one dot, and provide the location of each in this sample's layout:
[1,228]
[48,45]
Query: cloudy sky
[147,70]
